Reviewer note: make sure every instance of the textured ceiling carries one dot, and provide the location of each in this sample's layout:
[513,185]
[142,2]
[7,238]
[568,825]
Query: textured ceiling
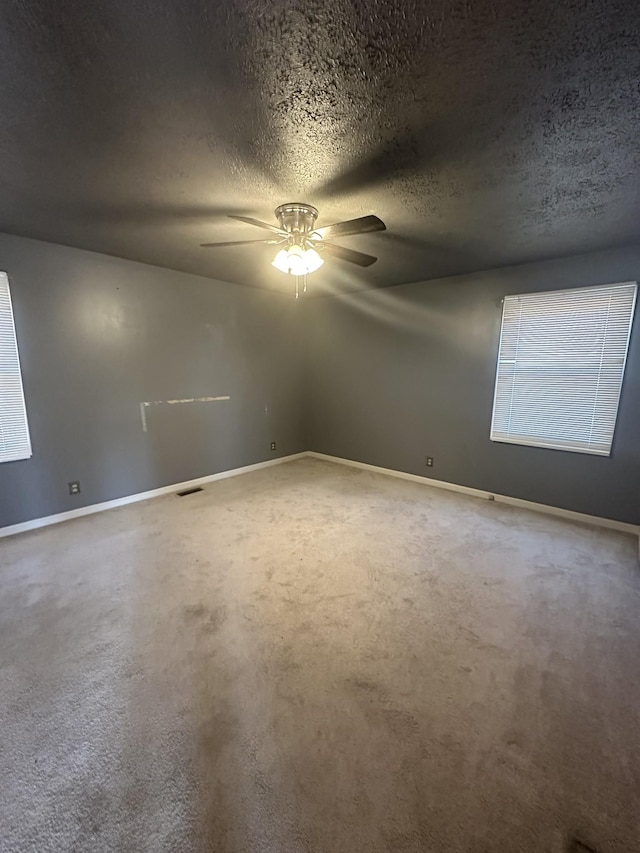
[483,133]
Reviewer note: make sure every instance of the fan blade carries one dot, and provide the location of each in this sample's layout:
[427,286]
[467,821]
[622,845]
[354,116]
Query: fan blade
[362,225]
[250,221]
[240,243]
[350,255]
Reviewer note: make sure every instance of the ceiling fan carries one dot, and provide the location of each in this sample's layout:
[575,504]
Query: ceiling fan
[302,245]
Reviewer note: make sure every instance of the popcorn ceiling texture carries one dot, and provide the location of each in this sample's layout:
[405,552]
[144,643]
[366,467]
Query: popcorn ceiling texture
[483,133]
[314,659]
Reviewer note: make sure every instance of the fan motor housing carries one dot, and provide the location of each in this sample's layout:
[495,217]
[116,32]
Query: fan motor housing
[296,218]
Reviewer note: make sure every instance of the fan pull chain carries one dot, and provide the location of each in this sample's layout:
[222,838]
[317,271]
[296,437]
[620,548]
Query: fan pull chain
[304,284]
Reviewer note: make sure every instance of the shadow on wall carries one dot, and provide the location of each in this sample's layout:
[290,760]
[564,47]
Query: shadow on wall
[404,314]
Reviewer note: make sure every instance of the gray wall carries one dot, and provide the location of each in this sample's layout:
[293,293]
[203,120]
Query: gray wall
[384,377]
[98,335]
[399,374]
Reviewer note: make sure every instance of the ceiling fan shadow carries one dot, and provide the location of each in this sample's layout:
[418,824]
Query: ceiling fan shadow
[403,154]
[437,250]
[151,214]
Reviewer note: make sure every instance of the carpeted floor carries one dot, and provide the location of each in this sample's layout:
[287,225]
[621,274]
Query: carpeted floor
[315,658]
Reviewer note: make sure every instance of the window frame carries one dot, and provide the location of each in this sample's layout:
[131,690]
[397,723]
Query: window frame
[550,444]
[21,455]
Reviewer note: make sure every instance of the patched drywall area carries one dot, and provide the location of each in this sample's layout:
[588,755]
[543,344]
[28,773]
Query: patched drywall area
[137,377]
[148,403]
[408,373]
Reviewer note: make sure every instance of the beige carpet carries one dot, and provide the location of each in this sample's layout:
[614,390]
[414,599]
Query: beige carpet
[314,658]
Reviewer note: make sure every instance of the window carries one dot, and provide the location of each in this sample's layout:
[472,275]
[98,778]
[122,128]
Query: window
[14,429]
[560,367]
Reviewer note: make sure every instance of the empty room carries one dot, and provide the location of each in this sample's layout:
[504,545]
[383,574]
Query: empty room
[319,426]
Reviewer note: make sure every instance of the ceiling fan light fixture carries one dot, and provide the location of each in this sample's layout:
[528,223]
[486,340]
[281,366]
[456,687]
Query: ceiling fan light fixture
[297,261]
[312,260]
[298,236]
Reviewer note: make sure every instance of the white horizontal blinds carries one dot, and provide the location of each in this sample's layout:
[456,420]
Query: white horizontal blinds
[560,367]
[14,429]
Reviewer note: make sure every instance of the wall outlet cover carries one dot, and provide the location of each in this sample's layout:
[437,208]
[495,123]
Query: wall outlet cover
[74,487]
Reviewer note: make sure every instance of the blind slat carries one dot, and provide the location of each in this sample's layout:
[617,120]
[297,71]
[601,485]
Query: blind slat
[560,367]
[15,442]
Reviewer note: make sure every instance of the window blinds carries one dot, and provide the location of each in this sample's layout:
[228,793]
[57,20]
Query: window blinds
[14,429]
[560,367]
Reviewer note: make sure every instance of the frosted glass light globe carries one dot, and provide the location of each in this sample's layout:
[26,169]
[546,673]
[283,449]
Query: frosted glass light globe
[297,261]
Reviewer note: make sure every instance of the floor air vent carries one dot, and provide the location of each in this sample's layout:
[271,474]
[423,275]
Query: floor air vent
[189,491]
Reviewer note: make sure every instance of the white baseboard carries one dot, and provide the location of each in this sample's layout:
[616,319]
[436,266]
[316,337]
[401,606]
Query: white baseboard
[35,523]
[568,514]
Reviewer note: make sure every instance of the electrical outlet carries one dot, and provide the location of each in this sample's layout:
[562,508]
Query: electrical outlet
[74,487]
[429,461]
[273,445]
